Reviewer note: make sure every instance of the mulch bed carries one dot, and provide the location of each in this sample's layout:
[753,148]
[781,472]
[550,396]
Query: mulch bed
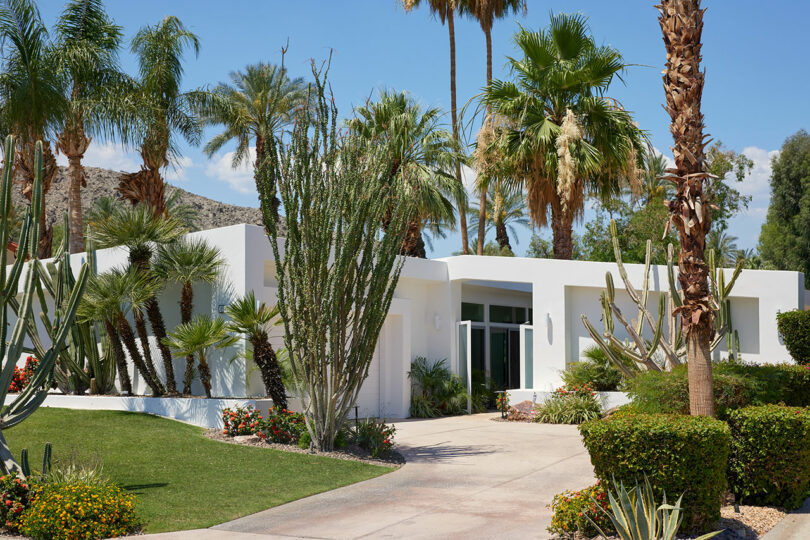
[352,452]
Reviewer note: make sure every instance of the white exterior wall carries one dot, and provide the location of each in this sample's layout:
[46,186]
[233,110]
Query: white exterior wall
[427,306]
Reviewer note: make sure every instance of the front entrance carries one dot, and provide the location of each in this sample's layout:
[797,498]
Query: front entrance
[504,357]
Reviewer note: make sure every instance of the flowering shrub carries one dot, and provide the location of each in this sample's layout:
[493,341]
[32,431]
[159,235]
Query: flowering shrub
[375,436]
[573,508]
[582,390]
[68,511]
[23,376]
[240,421]
[502,402]
[569,405]
[282,426]
[13,500]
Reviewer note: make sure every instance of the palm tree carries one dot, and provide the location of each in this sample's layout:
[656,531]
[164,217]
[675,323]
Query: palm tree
[724,246]
[505,209]
[165,111]
[187,262]
[197,338]
[137,228]
[87,50]
[32,96]
[558,135]
[486,12]
[445,10]
[420,152]
[256,106]
[252,318]
[654,182]
[682,24]
[111,296]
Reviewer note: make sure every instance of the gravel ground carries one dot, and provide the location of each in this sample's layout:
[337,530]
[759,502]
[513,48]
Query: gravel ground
[749,523]
[351,452]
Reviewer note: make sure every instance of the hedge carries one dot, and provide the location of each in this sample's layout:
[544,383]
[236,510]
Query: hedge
[794,327]
[788,384]
[679,454]
[770,455]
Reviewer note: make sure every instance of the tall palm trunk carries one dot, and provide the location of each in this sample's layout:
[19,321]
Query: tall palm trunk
[682,24]
[143,335]
[261,162]
[73,143]
[155,317]
[414,245]
[186,306]
[205,375]
[482,199]
[265,357]
[128,338]
[120,357]
[562,224]
[462,212]
[501,236]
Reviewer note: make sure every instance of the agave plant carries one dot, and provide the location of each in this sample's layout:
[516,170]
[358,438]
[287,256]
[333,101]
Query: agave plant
[197,338]
[636,516]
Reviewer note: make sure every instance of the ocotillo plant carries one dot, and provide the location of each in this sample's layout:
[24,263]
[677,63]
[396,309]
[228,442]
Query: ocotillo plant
[32,396]
[641,350]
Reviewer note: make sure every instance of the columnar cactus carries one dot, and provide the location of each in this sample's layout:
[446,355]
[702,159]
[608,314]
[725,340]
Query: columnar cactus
[28,269]
[641,351]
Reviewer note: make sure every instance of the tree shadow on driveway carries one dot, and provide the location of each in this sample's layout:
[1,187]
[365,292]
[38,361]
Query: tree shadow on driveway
[442,452]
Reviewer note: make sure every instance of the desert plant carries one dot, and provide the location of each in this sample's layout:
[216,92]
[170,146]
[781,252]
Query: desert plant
[252,318]
[11,347]
[198,337]
[569,405]
[375,436]
[333,258]
[187,262]
[435,390]
[596,370]
[794,327]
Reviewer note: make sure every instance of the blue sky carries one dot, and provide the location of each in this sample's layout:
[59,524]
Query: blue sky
[754,55]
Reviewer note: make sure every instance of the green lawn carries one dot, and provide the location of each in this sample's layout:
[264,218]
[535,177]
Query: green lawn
[183,480]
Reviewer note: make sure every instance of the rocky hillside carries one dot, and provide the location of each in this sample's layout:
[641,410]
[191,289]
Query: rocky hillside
[103,182]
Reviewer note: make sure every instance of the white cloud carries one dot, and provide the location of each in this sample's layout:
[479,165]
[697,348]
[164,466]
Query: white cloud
[757,184]
[107,156]
[177,171]
[468,177]
[240,179]
[667,159]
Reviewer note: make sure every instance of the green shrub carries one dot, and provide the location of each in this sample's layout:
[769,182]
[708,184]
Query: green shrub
[679,454]
[375,436]
[435,390]
[282,426]
[770,455]
[571,510]
[69,511]
[572,405]
[773,383]
[667,392]
[794,327]
[14,499]
[595,370]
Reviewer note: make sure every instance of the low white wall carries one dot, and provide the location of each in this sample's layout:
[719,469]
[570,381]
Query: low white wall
[201,412]
[609,399]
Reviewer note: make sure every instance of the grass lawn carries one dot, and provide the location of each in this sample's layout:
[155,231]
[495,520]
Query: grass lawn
[183,480]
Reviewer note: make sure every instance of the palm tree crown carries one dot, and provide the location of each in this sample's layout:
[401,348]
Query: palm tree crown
[250,317]
[188,261]
[505,209]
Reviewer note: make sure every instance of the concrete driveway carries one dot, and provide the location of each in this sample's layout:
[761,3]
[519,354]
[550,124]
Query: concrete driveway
[465,477]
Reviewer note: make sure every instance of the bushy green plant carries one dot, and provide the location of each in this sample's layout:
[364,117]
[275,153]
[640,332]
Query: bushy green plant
[375,436]
[794,327]
[596,370]
[14,499]
[770,455]
[635,515]
[773,383]
[678,453]
[667,392]
[282,426]
[483,393]
[435,390]
[572,405]
[69,511]
[578,511]
[240,420]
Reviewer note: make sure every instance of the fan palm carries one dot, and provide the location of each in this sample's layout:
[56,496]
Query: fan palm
[137,228]
[197,338]
[654,183]
[505,209]
[32,96]
[187,262]
[256,106]
[724,246]
[560,136]
[445,10]
[682,25]
[486,12]
[166,112]
[420,153]
[109,297]
[87,54]
[252,318]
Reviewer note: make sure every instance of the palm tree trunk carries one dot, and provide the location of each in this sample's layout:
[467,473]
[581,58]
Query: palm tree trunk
[414,245]
[501,236]
[682,24]
[462,211]
[143,336]
[482,199]
[562,228]
[205,375]
[128,338]
[159,328]
[120,358]
[186,305]
[145,186]
[76,182]
[265,357]
[258,172]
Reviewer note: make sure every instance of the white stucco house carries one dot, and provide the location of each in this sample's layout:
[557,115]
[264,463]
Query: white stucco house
[518,319]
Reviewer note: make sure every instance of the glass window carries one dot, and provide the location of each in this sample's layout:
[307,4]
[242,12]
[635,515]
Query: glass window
[501,314]
[472,312]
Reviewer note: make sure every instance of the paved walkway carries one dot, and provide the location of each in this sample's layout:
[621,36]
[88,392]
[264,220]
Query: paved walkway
[465,477]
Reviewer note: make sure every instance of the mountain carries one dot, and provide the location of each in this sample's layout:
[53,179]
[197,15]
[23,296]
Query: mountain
[103,182]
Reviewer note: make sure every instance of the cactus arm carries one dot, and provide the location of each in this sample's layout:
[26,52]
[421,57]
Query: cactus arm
[12,418]
[5,205]
[12,284]
[36,202]
[17,336]
[640,345]
[673,288]
[9,464]
[656,340]
[606,348]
